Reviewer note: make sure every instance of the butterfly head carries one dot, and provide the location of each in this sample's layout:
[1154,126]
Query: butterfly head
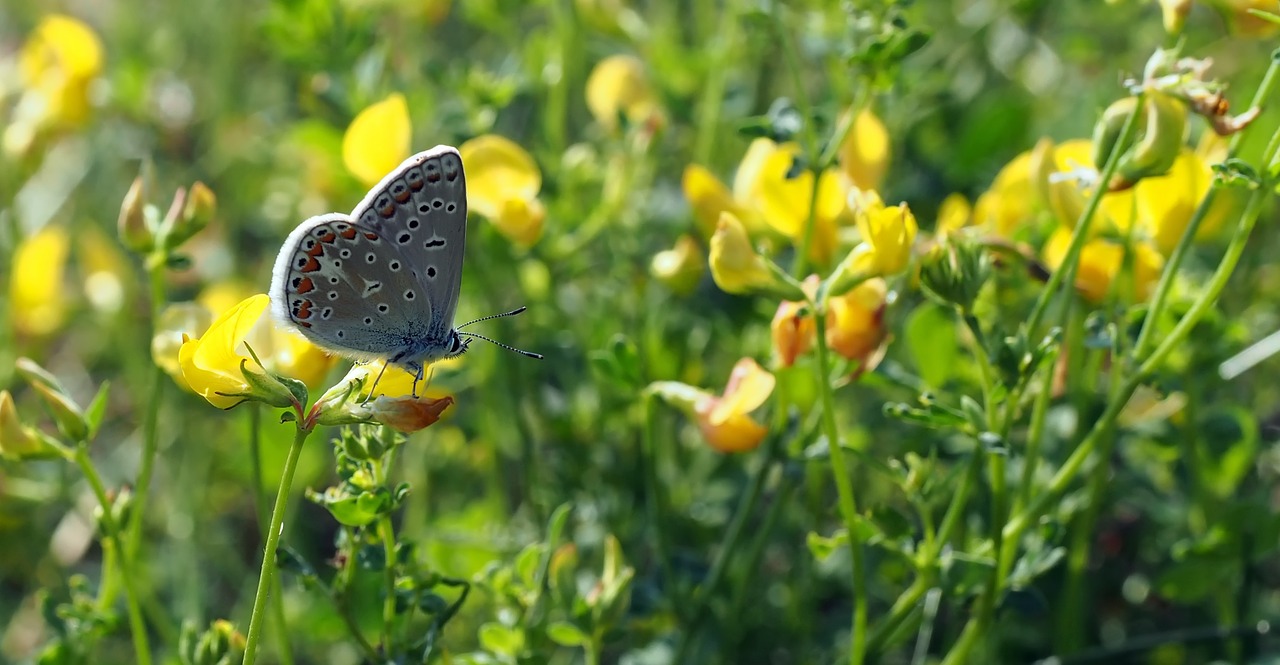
[458,344]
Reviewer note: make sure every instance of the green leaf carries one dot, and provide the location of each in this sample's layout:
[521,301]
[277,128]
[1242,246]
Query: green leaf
[97,409]
[566,634]
[1223,469]
[822,547]
[500,639]
[931,337]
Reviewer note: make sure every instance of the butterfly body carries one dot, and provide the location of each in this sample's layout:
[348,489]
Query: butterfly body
[382,282]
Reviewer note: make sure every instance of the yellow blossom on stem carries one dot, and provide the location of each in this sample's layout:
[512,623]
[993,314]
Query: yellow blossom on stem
[864,155]
[214,368]
[855,321]
[725,420]
[680,267]
[1100,263]
[37,293]
[377,140]
[502,185]
[376,392]
[785,203]
[888,235]
[793,326]
[57,63]
[619,86]
[736,267]
[1007,204]
[709,197]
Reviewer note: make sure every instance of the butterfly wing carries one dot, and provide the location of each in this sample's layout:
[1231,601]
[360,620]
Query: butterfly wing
[383,282]
[421,207]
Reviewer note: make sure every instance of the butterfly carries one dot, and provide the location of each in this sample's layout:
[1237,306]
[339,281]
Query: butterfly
[383,282]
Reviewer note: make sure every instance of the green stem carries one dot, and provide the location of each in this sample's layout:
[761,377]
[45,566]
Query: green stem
[1159,300]
[712,99]
[111,530]
[730,547]
[267,573]
[387,531]
[844,489]
[1067,269]
[655,502]
[1035,432]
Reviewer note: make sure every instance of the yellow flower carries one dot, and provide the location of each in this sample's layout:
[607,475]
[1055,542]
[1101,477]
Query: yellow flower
[855,321]
[709,197]
[377,140]
[864,155]
[502,185]
[619,86]
[37,294]
[392,403]
[177,321]
[888,234]
[1100,262]
[1242,22]
[736,267]
[18,440]
[1165,203]
[211,364]
[725,420]
[793,326]
[57,63]
[680,267]
[784,202]
[953,215]
[1007,204]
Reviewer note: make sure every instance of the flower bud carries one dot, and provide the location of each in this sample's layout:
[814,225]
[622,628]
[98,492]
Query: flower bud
[1175,14]
[197,211]
[737,268]
[1162,130]
[409,414]
[681,267]
[134,231]
[18,441]
[793,327]
[954,272]
[66,413]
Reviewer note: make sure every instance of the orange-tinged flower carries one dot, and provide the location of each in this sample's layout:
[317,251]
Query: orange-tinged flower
[864,155]
[409,414]
[855,320]
[37,294]
[1244,23]
[1100,262]
[502,184]
[377,140]
[785,203]
[793,326]
[619,86]
[726,420]
[212,364]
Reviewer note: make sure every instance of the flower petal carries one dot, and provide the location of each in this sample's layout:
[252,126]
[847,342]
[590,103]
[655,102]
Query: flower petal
[377,140]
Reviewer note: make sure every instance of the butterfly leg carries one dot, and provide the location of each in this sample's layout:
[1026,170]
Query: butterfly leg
[376,380]
[417,370]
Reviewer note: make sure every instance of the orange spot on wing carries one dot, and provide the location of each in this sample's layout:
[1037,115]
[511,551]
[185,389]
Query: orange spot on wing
[318,250]
[304,324]
[387,210]
[349,234]
[402,196]
[371,236]
[304,310]
[328,237]
[306,285]
[311,265]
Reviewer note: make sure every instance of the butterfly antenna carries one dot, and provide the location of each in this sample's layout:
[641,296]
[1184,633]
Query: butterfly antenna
[527,354]
[492,316]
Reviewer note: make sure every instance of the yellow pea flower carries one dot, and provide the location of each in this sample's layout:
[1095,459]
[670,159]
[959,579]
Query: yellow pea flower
[57,63]
[736,267]
[864,155]
[502,185]
[1100,262]
[1165,203]
[784,203]
[793,326]
[709,197]
[37,295]
[855,321]
[377,140]
[1007,205]
[176,321]
[680,267]
[212,364]
[619,86]
[725,420]
[888,235]
[953,215]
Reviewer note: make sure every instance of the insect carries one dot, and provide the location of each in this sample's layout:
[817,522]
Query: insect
[382,283]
